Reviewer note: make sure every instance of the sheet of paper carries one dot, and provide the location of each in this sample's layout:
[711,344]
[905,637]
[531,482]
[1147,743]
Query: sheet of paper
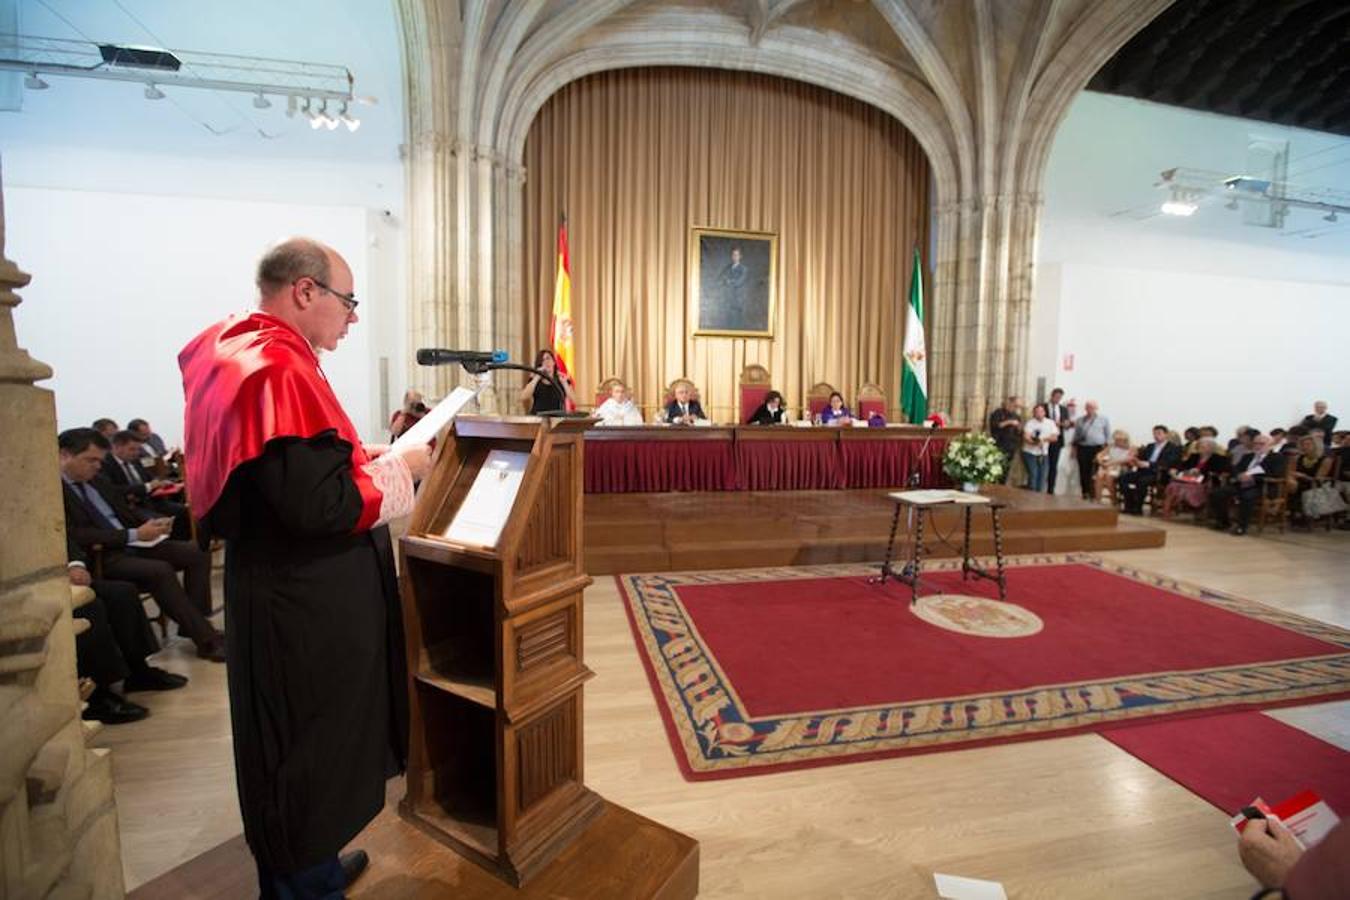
[159,540]
[431,424]
[957,887]
[482,515]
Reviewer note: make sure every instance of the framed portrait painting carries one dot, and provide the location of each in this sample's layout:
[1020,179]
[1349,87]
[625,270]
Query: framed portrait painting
[732,273]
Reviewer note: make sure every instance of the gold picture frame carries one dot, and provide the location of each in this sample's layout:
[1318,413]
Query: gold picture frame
[730,296]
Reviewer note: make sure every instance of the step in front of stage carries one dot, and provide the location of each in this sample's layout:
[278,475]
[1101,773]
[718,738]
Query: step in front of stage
[731,530]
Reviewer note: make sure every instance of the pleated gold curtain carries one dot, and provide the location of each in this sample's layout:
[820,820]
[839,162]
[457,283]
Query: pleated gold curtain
[636,158]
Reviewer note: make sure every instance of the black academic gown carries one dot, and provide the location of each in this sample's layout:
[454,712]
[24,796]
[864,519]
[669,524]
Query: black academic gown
[314,652]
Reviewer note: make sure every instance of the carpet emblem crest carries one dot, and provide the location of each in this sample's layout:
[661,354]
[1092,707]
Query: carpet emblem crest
[978,616]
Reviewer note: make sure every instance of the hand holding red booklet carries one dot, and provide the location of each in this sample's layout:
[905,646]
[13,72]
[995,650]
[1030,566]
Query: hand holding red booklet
[167,490]
[1305,814]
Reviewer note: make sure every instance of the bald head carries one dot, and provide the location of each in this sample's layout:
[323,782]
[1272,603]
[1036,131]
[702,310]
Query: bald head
[309,286]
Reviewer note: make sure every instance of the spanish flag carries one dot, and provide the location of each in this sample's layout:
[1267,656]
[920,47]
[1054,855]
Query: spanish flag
[560,330]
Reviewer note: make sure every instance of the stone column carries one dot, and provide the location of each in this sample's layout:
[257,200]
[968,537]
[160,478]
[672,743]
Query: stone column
[58,825]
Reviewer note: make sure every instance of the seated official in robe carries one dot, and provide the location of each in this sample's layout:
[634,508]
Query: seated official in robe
[771,411]
[836,413]
[618,408]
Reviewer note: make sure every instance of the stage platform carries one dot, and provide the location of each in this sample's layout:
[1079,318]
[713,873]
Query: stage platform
[667,532]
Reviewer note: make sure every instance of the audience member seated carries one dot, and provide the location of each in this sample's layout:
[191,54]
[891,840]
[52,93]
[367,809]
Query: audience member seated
[1279,440]
[1241,445]
[1005,426]
[115,647]
[1109,461]
[683,409]
[1250,474]
[1150,466]
[1320,420]
[771,411]
[1275,858]
[154,444]
[412,411]
[1037,436]
[618,408]
[835,412]
[1189,437]
[1311,467]
[97,515]
[542,396]
[1192,481]
[123,468]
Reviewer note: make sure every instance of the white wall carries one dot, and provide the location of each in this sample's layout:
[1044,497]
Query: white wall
[122,281]
[1186,349]
[141,221]
[1187,321]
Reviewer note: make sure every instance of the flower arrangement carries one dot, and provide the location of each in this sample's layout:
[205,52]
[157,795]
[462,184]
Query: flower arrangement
[973,459]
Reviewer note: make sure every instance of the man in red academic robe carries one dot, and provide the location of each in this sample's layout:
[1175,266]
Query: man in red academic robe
[314,642]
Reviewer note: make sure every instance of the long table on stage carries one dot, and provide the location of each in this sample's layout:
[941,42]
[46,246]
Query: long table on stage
[657,458]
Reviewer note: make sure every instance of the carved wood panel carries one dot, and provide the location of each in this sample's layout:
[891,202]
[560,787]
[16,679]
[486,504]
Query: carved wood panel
[545,541]
[546,753]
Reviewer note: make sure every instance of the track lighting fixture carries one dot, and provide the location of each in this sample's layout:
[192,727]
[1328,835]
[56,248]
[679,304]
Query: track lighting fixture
[153,93]
[34,82]
[261,102]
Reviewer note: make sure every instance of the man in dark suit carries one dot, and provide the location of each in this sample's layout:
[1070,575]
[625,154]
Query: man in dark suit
[1149,467]
[97,514]
[1056,412]
[114,648]
[1250,475]
[123,468]
[683,410]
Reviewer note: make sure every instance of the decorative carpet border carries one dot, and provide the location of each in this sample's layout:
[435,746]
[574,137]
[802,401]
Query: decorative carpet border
[707,721]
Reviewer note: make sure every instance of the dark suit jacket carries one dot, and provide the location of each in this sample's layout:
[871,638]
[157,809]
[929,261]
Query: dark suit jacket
[115,474]
[673,410]
[1272,467]
[1167,459]
[764,416]
[85,529]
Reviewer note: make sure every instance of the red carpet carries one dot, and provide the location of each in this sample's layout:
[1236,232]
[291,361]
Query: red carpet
[759,670]
[1231,759]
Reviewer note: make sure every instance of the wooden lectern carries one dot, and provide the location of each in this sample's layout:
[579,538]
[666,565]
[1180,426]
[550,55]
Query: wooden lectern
[494,638]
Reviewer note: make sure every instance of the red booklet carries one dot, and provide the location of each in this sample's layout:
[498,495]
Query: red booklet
[167,490]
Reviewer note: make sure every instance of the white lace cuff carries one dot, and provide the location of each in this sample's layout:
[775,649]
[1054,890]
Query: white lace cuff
[393,478]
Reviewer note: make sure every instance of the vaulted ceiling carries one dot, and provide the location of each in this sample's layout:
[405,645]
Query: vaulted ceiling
[1282,61]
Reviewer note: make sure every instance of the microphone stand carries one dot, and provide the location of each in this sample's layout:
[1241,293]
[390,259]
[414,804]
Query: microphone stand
[913,482]
[478,368]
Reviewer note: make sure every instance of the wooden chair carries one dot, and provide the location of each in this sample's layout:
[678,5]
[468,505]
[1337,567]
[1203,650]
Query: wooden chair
[817,399]
[1273,504]
[871,399]
[755,386]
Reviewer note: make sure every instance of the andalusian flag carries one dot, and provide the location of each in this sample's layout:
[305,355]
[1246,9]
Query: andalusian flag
[914,381]
[560,330]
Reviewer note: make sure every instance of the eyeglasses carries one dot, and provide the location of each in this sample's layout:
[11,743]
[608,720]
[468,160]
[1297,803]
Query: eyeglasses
[348,300]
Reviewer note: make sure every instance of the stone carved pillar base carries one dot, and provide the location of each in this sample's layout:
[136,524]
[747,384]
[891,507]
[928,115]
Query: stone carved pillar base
[58,824]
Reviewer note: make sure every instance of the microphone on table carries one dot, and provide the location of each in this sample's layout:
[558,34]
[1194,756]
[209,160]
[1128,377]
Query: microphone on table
[437,356]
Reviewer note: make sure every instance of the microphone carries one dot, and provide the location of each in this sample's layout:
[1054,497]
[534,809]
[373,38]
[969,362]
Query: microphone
[437,356]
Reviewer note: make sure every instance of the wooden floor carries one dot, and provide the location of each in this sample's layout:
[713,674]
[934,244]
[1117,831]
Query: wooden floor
[1070,817]
[736,529]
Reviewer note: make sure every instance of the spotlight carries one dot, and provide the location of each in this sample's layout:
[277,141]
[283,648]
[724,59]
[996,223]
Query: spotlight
[1231,204]
[1331,217]
[1178,208]
[153,93]
[314,118]
[329,122]
[292,105]
[35,83]
[348,119]
[261,102]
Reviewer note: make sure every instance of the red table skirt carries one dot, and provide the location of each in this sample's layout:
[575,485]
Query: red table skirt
[788,465]
[632,466]
[878,464]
